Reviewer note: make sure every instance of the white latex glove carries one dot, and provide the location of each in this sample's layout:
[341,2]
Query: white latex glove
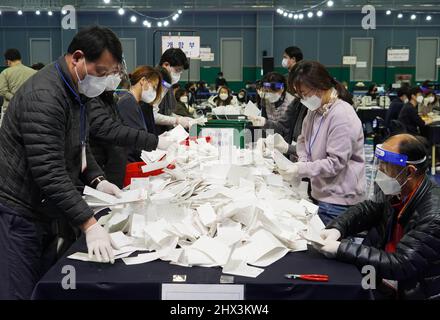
[276,141]
[184,122]
[257,121]
[330,234]
[199,121]
[164,143]
[330,249]
[291,173]
[98,244]
[109,188]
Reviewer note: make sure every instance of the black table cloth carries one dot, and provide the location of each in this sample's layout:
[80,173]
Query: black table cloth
[119,281]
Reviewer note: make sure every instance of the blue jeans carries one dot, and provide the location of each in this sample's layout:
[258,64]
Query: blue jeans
[328,211]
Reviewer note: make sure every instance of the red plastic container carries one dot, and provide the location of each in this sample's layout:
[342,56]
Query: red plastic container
[134,170]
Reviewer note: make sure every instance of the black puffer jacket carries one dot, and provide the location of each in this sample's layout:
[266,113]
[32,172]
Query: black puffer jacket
[40,150]
[416,262]
[110,139]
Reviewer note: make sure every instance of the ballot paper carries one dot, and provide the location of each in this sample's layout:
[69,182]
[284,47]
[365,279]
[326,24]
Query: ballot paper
[312,237]
[262,249]
[153,156]
[155,166]
[251,110]
[213,248]
[178,134]
[310,207]
[240,268]
[120,240]
[126,196]
[282,162]
[207,214]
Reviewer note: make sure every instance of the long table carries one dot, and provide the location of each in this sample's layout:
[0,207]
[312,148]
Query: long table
[144,281]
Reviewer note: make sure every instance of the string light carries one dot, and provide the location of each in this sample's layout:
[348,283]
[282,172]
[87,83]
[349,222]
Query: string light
[133,19]
[20,13]
[50,13]
[121,11]
[37,12]
[301,13]
[388,12]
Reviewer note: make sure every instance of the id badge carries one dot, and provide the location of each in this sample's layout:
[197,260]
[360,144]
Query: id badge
[83,158]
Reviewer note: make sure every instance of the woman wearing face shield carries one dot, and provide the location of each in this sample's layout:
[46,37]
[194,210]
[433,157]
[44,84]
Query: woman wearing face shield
[331,145]
[281,113]
[402,218]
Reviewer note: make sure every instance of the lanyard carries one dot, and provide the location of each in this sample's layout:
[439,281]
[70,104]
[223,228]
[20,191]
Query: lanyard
[313,139]
[82,128]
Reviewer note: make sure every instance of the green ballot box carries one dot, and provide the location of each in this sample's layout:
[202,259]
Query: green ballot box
[227,132]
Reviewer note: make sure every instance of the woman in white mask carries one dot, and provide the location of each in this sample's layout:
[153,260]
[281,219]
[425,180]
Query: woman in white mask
[183,108]
[331,145]
[146,89]
[224,98]
[409,116]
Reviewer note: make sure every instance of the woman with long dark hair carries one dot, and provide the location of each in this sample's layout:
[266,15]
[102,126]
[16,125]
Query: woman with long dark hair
[331,145]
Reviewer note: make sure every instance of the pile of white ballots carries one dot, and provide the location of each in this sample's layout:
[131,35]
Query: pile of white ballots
[239,215]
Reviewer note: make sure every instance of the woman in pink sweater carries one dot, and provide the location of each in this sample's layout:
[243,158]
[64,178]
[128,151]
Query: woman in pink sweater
[331,145]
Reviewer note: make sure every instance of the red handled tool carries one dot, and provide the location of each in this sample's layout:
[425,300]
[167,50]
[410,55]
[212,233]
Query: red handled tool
[309,277]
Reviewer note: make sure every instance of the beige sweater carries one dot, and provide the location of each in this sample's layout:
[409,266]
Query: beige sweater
[11,79]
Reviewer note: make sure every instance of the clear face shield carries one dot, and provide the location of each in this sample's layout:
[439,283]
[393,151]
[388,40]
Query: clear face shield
[165,88]
[389,174]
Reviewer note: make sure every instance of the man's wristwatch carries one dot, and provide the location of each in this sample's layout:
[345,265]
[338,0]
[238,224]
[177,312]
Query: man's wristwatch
[97,181]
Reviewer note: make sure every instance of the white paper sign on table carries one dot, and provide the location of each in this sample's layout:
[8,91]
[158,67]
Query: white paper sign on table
[171,291]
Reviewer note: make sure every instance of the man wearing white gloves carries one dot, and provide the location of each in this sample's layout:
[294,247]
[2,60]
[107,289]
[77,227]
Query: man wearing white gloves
[44,155]
[402,222]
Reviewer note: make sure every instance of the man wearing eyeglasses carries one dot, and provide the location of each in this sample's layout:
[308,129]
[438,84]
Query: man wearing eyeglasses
[44,155]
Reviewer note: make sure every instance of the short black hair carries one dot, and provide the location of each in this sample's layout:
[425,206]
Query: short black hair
[402,91]
[294,52]
[416,148]
[220,73]
[38,66]
[12,55]
[175,57]
[93,41]
[414,91]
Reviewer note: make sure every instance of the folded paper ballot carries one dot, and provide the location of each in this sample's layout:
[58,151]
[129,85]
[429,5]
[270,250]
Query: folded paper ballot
[282,162]
[238,215]
[126,196]
[251,110]
[178,134]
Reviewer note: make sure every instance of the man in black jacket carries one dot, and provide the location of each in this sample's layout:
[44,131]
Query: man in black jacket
[403,243]
[44,155]
[409,116]
[109,137]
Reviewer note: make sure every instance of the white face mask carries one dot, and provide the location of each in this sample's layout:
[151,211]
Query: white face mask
[241,96]
[430,100]
[91,86]
[261,94]
[149,95]
[313,103]
[389,186]
[419,99]
[113,82]
[223,96]
[405,101]
[273,97]
[184,99]
[285,63]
